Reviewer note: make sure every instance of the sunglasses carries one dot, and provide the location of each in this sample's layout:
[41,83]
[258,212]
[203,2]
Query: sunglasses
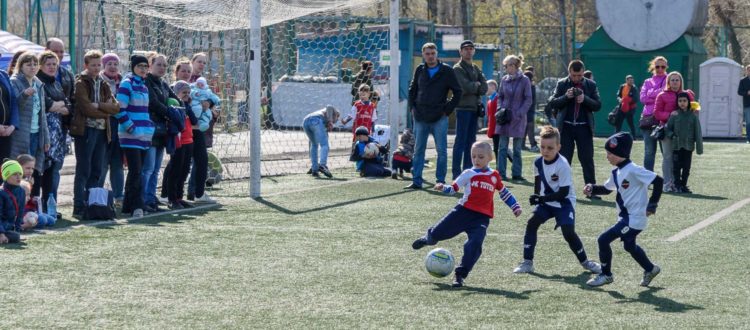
[661,66]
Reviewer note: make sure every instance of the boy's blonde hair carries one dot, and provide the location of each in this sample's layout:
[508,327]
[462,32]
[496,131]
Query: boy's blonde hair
[482,145]
[364,87]
[92,55]
[549,132]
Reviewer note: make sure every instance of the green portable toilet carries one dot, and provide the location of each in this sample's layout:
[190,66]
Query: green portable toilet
[611,62]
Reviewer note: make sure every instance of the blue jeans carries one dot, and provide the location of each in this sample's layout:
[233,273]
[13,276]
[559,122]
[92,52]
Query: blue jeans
[89,150]
[316,132]
[45,220]
[502,153]
[113,163]
[667,164]
[50,182]
[649,150]
[422,131]
[746,116]
[33,143]
[466,135]
[150,178]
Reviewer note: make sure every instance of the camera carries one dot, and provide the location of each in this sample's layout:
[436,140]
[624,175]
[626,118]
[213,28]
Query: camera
[577,91]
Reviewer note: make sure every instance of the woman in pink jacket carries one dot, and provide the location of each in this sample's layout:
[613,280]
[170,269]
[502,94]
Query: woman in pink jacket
[666,103]
[650,89]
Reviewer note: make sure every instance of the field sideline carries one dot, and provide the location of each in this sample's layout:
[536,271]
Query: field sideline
[336,254]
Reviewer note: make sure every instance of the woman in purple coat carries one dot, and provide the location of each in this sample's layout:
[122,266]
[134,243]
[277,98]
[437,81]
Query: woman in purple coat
[515,95]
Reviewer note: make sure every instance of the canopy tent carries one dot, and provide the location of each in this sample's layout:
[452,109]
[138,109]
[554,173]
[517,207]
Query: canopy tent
[11,43]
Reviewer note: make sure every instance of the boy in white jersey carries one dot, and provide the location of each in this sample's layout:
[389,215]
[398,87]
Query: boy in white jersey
[554,197]
[631,183]
[473,212]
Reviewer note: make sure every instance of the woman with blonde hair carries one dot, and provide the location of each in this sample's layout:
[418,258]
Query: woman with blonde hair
[666,103]
[650,89]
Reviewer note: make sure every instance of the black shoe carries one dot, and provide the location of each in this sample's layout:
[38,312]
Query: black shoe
[324,169]
[594,198]
[309,171]
[686,190]
[419,243]
[458,281]
[185,205]
[190,197]
[413,186]
[153,208]
[175,205]
[394,175]
[518,178]
[315,174]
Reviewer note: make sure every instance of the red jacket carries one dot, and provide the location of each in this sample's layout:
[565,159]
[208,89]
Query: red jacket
[666,102]
[490,110]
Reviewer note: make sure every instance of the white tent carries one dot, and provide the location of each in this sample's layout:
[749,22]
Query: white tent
[11,43]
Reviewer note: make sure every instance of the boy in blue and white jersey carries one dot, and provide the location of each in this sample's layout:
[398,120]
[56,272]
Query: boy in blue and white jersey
[633,205]
[554,197]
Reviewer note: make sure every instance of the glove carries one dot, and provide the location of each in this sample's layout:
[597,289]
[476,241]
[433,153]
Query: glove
[534,199]
[651,208]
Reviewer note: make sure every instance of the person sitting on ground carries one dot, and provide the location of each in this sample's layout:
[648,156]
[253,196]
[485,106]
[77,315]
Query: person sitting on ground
[403,154]
[33,206]
[11,197]
[368,164]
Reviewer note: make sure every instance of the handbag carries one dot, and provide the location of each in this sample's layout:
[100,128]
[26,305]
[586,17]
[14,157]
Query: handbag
[612,117]
[503,116]
[647,122]
[658,133]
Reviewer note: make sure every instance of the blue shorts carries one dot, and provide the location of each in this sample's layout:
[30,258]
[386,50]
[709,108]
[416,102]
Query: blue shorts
[565,215]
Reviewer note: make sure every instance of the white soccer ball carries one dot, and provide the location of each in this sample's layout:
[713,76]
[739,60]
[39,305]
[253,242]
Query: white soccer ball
[371,150]
[31,218]
[439,262]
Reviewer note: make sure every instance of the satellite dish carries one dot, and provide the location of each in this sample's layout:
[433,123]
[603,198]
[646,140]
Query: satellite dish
[644,25]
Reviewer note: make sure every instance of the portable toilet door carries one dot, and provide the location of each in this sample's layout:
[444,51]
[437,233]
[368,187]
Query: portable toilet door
[721,107]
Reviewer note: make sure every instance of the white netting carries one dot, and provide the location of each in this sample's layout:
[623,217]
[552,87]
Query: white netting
[310,52]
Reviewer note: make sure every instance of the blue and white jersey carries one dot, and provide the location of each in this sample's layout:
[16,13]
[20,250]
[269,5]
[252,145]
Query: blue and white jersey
[631,183]
[555,175]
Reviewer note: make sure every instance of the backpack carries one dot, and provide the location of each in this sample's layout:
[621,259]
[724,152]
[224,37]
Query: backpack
[99,204]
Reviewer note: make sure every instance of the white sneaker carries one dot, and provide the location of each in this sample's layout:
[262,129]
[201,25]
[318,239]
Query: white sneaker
[138,213]
[600,280]
[592,266]
[649,276]
[163,200]
[526,266]
[204,200]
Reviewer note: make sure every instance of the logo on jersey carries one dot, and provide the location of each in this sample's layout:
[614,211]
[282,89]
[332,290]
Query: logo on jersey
[493,179]
[555,177]
[625,184]
[625,230]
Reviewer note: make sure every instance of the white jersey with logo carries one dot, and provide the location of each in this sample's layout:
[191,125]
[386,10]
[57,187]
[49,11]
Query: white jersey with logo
[631,184]
[558,174]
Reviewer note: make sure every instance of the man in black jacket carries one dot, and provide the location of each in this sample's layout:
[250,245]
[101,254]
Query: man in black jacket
[744,90]
[575,100]
[430,107]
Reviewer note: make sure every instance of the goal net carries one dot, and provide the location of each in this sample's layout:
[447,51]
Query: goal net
[311,51]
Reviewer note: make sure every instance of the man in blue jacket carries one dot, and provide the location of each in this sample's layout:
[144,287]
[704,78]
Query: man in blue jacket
[430,107]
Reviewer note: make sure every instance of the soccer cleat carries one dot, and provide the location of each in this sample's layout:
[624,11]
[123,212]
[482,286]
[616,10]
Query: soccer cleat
[458,281]
[419,243]
[600,280]
[649,276]
[138,213]
[324,169]
[592,266]
[526,266]
[204,200]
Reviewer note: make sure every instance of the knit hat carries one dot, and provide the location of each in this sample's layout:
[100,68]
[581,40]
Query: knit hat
[362,131]
[619,144]
[11,167]
[201,80]
[180,85]
[137,59]
[172,102]
[109,57]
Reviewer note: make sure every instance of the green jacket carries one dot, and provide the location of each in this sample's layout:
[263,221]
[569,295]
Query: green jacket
[468,76]
[685,130]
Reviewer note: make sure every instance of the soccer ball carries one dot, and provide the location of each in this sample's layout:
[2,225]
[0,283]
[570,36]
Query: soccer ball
[439,262]
[371,150]
[31,218]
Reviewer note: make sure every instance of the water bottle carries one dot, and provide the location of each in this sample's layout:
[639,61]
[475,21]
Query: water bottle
[51,206]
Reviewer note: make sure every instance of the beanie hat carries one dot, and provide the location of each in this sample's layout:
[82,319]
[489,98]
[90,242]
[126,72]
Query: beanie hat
[201,80]
[11,167]
[362,131]
[619,144]
[109,57]
[172,102]
[180,85]
[137,59]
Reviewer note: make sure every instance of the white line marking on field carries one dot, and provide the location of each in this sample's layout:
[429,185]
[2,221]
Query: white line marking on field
[355,180]
[708,221]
